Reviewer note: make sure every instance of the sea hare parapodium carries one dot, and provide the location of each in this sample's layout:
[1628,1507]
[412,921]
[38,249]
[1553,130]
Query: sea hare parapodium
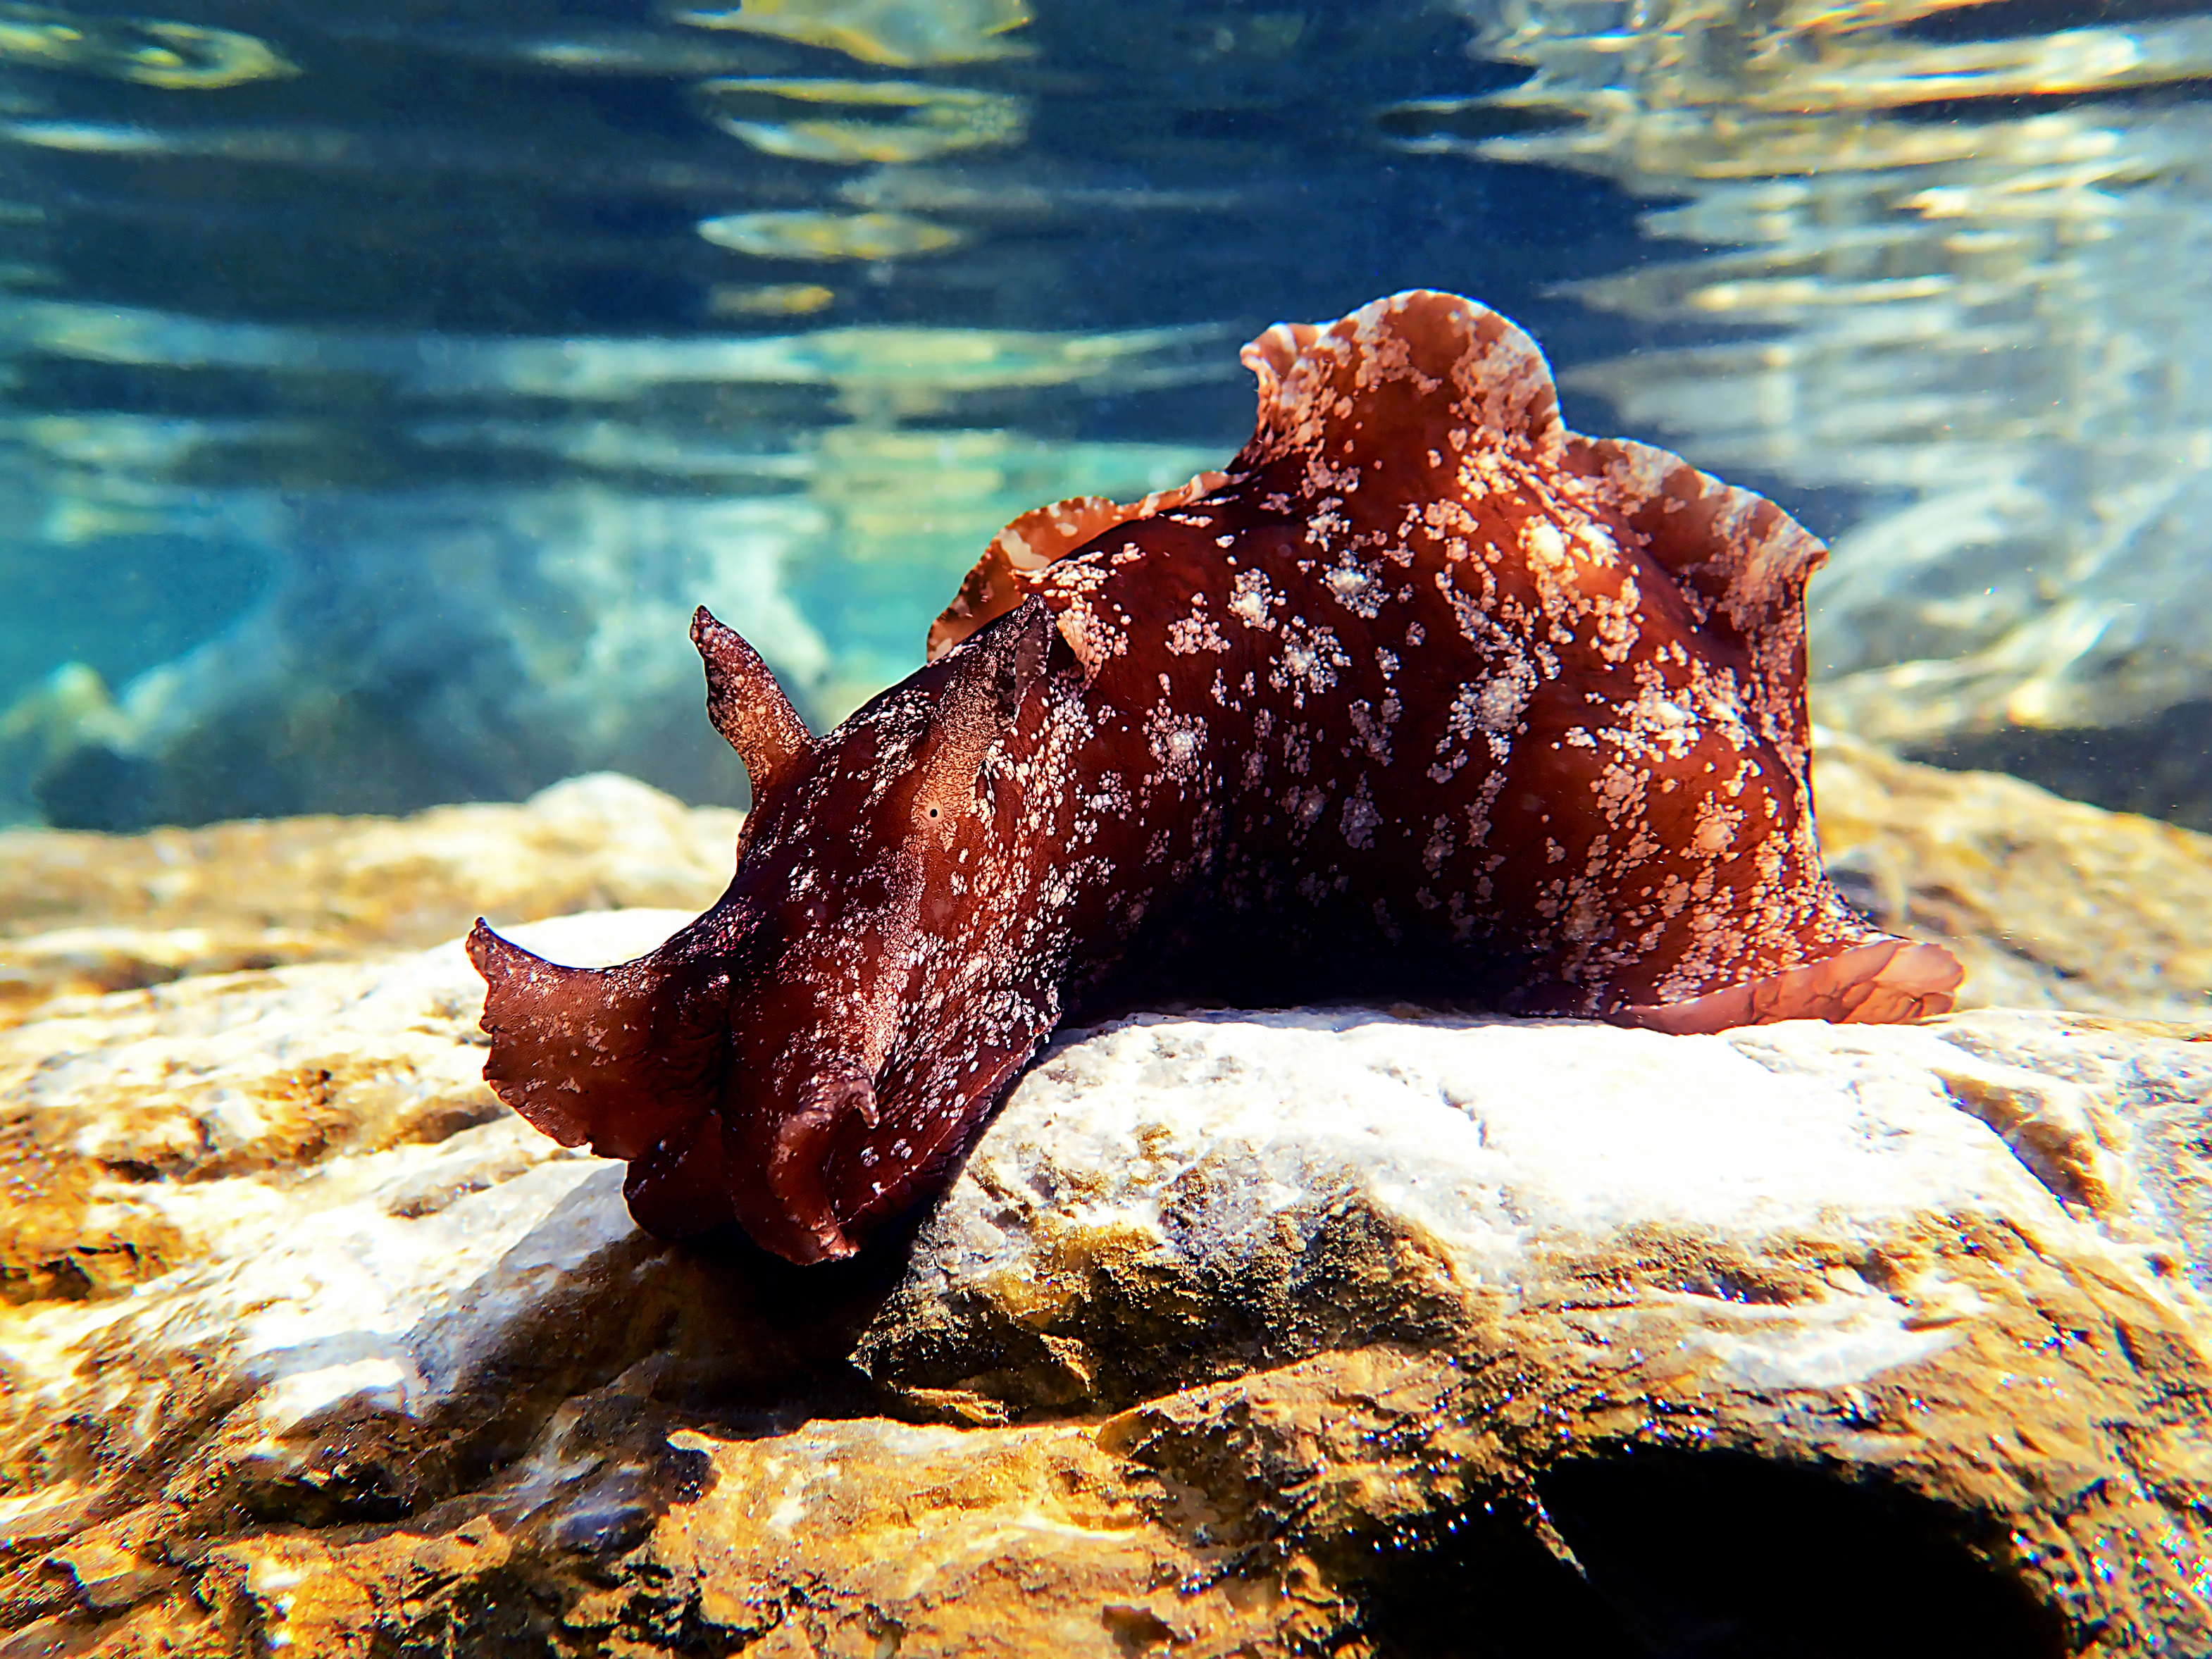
[1425,695]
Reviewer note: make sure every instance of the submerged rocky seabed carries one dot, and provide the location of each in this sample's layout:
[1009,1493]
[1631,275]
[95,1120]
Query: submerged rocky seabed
[1356,1330]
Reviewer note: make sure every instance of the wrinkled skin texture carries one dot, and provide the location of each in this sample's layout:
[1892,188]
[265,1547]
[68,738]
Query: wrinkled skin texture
[1425,695]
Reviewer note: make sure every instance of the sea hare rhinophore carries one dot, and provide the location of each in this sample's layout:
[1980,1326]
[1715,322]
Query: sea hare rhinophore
[1425,696]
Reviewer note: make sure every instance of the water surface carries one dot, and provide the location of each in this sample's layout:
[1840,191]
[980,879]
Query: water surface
[383,386]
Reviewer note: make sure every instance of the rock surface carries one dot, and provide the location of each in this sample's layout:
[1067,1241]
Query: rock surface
[1375,1331]
[2050,903]
[1357,1330]
[81,912]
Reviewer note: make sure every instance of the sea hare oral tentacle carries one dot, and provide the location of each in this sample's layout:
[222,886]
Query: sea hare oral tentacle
[1424,694]
[747,706]
[617,1056]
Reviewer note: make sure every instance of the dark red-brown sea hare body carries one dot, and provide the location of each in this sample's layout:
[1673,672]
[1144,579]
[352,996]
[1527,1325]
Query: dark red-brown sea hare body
[1426,695]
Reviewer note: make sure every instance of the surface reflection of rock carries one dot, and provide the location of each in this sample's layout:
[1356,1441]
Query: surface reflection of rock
[421,649]
[175,57]
[811,233]
[1967,245]
[903,33]
[415,645]
[855,121]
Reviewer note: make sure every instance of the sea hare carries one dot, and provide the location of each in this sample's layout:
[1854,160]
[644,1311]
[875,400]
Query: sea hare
[1425,696]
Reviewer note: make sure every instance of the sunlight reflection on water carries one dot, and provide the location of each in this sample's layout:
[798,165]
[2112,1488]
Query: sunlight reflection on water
[310,309]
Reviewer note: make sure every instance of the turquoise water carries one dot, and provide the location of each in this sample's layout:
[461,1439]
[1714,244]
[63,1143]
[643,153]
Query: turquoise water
[380,386]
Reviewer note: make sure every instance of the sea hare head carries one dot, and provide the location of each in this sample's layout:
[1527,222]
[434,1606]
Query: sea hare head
[788,1060]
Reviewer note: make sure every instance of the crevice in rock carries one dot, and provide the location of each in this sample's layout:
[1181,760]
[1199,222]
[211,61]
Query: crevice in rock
[1722,1556]
[1688,1555]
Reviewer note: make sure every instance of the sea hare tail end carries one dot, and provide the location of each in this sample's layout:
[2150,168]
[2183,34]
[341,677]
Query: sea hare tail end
[1885,983]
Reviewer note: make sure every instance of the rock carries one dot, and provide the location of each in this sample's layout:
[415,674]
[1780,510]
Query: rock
[2155,766]
[2050,903]
[1361,1330]
[81,912]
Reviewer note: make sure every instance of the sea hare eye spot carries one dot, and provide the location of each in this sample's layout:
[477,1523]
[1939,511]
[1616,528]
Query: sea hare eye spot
[1600,691]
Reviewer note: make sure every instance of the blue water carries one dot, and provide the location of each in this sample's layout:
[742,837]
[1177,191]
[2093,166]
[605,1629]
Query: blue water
[382,386]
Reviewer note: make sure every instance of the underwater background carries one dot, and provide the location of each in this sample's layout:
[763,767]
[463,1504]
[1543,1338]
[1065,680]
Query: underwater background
[381,385]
